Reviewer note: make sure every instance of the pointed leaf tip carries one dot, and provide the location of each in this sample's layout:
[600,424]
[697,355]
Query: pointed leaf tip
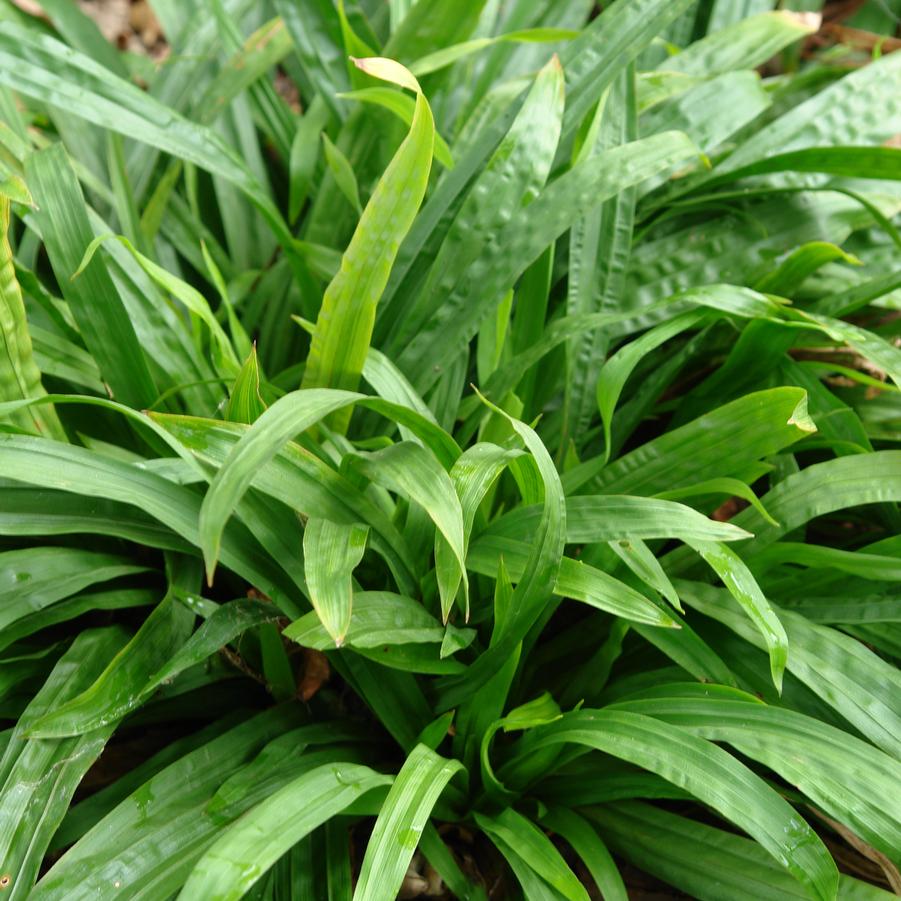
[388,70]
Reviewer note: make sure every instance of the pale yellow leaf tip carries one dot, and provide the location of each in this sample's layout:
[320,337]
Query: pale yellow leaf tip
[809,21]
[800,418]
[388,70]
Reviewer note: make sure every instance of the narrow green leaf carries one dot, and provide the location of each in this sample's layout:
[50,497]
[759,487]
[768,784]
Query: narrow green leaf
[742,585]
[404,107]
[93,299]
[838,668]
[851,780]
[449,55]
[19,374]
[243,854]
[344,326]
[404,814]
[39,777]
[745,44]
[343,173]
[592,851]
[34,578]
[245,403]
[534,846]
[305,155]
[117,690]
[412,471]
[331,553]
[223,352]
[711,775]
[159,831]
[43,68]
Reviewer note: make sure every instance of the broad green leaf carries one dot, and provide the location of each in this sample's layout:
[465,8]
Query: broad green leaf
[403,816]
[745,44]
[600,243]
[286,418]
[223,625]
[160,830]
[677,850]
[32,579]
[820,489]
[616,370]
[241,856]
[847,777]
[594,518]
[49,464]
[473,474]
[309,486]
[861,686]
[74,607]
[575,579]
[590,64]
[512,177]
[720,443]
[861,107]
[344,326]
[880,567]
[854,162]
[117,690]
[539,572]
[459,308]
[379,618]
[331,552]
[711,775]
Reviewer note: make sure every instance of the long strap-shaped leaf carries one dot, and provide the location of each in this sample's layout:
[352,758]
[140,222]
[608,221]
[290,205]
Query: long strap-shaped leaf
[409,469]
[404,814]
[710,774]
[846,776]
[118,689]
[539,576]
[19,374]
[47,70]
[742,585]
[95,303]
[513,830]
[345,323]
[287,417]
[863,687]
[38,778]
[246,851]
